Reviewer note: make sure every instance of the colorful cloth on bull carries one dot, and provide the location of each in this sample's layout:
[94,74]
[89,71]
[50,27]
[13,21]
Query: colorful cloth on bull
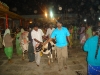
[8,51]
[18,46]
[93,70]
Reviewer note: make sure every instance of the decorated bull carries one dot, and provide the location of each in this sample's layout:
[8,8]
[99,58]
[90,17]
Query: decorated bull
[48,50]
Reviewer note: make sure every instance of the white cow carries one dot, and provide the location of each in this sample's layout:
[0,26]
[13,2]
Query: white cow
[24,43]
[48,49]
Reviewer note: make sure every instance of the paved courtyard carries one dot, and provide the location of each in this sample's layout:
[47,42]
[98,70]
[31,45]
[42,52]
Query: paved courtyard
[76,65]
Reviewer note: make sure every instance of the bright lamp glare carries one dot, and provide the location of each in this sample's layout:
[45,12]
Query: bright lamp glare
[99,18]
[51,14]
[85,20]
[30,22]
[46,14]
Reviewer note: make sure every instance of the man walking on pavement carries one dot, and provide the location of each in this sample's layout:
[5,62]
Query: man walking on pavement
[37,35]
[61,34]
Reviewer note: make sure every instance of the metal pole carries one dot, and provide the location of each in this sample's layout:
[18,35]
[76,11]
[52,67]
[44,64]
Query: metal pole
[6,21]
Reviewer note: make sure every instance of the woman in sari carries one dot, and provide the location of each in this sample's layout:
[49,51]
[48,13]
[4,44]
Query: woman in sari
[7,42]
[18,46]
[92,46]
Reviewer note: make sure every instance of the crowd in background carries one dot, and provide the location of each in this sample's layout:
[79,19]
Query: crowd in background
[77,33]
[80,32]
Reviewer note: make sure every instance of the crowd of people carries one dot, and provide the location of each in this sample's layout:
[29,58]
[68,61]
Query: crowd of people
[87,34]
[25,39]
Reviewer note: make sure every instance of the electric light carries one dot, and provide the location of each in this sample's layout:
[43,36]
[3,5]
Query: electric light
[85,20]
[51,14]
[46,14]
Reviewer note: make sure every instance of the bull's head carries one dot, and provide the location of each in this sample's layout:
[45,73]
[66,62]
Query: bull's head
[46,49]
[38,47]
[48,46]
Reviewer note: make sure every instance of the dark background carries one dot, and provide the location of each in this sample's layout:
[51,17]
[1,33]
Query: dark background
[27,7]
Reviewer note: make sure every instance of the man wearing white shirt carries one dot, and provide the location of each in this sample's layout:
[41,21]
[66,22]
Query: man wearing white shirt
[37,35]
[49,30]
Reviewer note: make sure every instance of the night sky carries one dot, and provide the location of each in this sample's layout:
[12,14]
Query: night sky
[31,7]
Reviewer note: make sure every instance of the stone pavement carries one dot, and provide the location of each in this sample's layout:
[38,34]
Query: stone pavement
[76,65]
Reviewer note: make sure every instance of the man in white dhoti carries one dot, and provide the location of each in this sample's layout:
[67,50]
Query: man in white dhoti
[37,35]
